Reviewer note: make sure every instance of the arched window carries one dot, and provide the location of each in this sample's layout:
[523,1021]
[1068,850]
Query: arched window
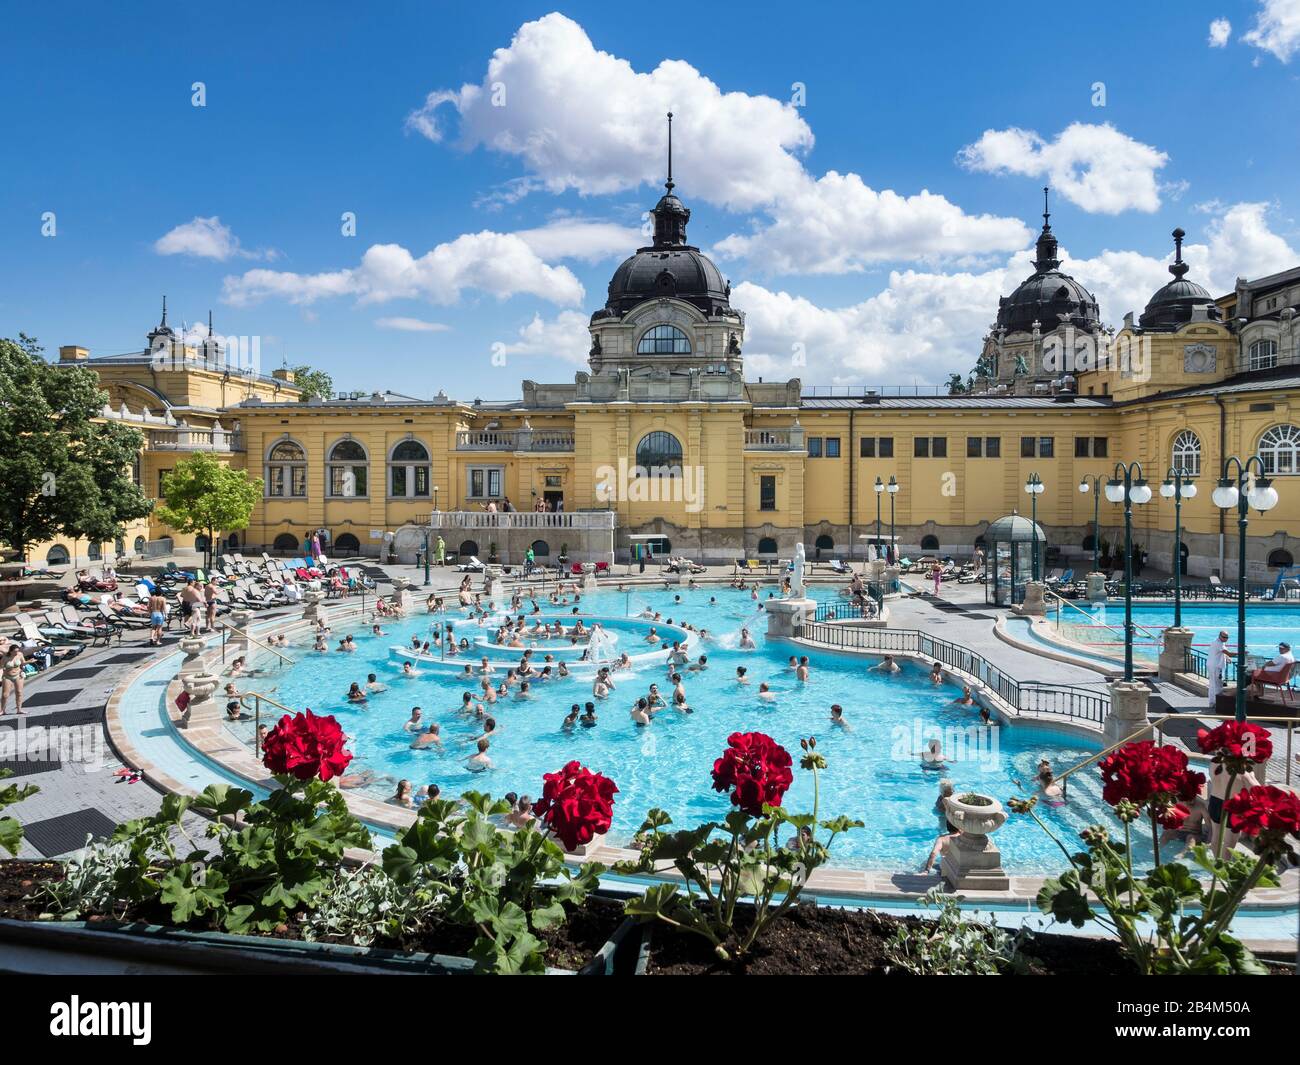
[201,542]
[1263,355]
[1280,559]
[767,546]
[286,470]
[981,542]
[1089,542]
[1187,452]
[541,549]
[408,471]
[929,543]
[664,340]
[661,451]
[286,542]
[346,469]
[138,546]
[57,556]
[94,552]
[467,548]
[823,543]
[1279,448]
[347,544]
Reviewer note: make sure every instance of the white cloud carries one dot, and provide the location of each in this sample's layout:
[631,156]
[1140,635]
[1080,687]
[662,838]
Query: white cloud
[1096,167]
[837,224]
[411,325]
[1220,31]
[205,238]
[585,120]
[924,325]
[563,337]
[1277,28]
[576,238]
[501,264]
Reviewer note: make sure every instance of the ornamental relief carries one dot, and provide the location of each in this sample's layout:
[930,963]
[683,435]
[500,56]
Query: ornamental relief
[664,312]
[1199,358]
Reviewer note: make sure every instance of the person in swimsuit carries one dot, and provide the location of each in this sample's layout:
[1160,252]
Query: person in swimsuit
[157,618]
[947,830]
[12,662]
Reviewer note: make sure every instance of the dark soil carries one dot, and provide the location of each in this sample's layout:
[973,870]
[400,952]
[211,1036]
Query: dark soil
[812,941]
[568,946]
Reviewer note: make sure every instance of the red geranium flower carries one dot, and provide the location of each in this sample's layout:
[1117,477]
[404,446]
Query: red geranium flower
[306,746]
[1143,772]
[755,769]
[576,804]
[1266,812]
[1236,744]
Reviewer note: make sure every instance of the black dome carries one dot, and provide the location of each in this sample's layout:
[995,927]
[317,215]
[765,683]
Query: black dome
[668,270]
[1047,294]
[1174,305]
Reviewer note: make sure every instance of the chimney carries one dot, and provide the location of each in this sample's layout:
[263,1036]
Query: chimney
[72,353]
[283,374]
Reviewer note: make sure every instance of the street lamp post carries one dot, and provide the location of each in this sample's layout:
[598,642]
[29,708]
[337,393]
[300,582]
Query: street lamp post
[1095,487]
[426,556]
[1178,485]
[1243,490]
[1128,486]
[880,490]
[1034,487]
[892,489]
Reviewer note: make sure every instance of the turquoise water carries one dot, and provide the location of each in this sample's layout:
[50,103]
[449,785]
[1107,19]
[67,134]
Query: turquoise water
[874,769]
[1266,624]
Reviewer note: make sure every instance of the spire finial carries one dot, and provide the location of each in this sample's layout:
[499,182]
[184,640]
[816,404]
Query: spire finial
[1178,267]
[209,321]
[164,317]
[1047,214]
[669,183]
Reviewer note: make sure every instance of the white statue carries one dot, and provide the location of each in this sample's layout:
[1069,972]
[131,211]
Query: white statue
[796,580]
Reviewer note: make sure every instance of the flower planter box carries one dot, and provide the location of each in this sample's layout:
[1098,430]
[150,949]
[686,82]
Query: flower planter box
[116,947]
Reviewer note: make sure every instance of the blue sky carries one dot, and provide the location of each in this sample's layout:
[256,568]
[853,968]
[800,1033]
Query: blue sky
[872,222]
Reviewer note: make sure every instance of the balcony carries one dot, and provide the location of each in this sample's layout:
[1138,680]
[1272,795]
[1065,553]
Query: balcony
[217,440]
[774,439]
[598,520]
[514,440]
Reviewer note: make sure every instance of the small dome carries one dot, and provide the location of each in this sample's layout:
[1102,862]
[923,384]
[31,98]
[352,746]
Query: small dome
[1048,296]
[1174,305]
[665,270]
[1014,529]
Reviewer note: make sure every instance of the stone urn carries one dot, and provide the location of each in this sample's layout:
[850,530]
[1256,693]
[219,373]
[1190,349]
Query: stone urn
[972,861]
[202,708]
[311,609]
[193,661]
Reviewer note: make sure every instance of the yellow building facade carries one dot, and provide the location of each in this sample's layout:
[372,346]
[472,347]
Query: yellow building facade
[662,436]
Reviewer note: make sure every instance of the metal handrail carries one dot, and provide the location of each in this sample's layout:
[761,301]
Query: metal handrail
[226,626]
[257,713]
[1060,777]
[1060,600]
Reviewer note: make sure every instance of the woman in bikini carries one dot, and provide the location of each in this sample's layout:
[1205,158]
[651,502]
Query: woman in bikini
[11,677]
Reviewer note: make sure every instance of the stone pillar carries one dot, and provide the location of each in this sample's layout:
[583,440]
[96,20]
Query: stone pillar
[193,662]
[890,578]
[239,642]
[1173,652]
[1128,713]
[402,593]
[1096,587]
[876,571]
[202,710]
[311,609]
[972,861]
[496,591]
[785,615]
[1034,604]
[589,577]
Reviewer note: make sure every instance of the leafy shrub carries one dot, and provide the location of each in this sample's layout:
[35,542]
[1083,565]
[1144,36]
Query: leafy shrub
[956,945]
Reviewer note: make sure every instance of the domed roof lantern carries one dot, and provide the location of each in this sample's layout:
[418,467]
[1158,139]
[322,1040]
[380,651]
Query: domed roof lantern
[1048,258]
[670,214]
[1179,301]
[162,329]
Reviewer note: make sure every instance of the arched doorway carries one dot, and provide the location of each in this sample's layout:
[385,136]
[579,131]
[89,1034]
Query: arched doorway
[1279,558]
[467,548]
[541,549]
[1183,553]
[929,542]
[767,545]
[286,543]
[138,545]
[57,556]
[347,544]
[823,543]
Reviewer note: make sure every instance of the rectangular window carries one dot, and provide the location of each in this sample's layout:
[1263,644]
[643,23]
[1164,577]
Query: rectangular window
[939,447]
[993,447]
[1082,446]
[974,447]
[161,475]
[421,481]
[886,447]
[814,447]
[921,447]
[275,485]
[476,481]
[494,483]
[1046,447]
[298,483]
[1027,446]
[767,493]
[1100,446]
[832,447]
[398,486]
[867,447]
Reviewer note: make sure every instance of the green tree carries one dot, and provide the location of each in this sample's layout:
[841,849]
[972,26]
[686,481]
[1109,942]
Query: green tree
[63,472]
[205,496]
[313,382]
